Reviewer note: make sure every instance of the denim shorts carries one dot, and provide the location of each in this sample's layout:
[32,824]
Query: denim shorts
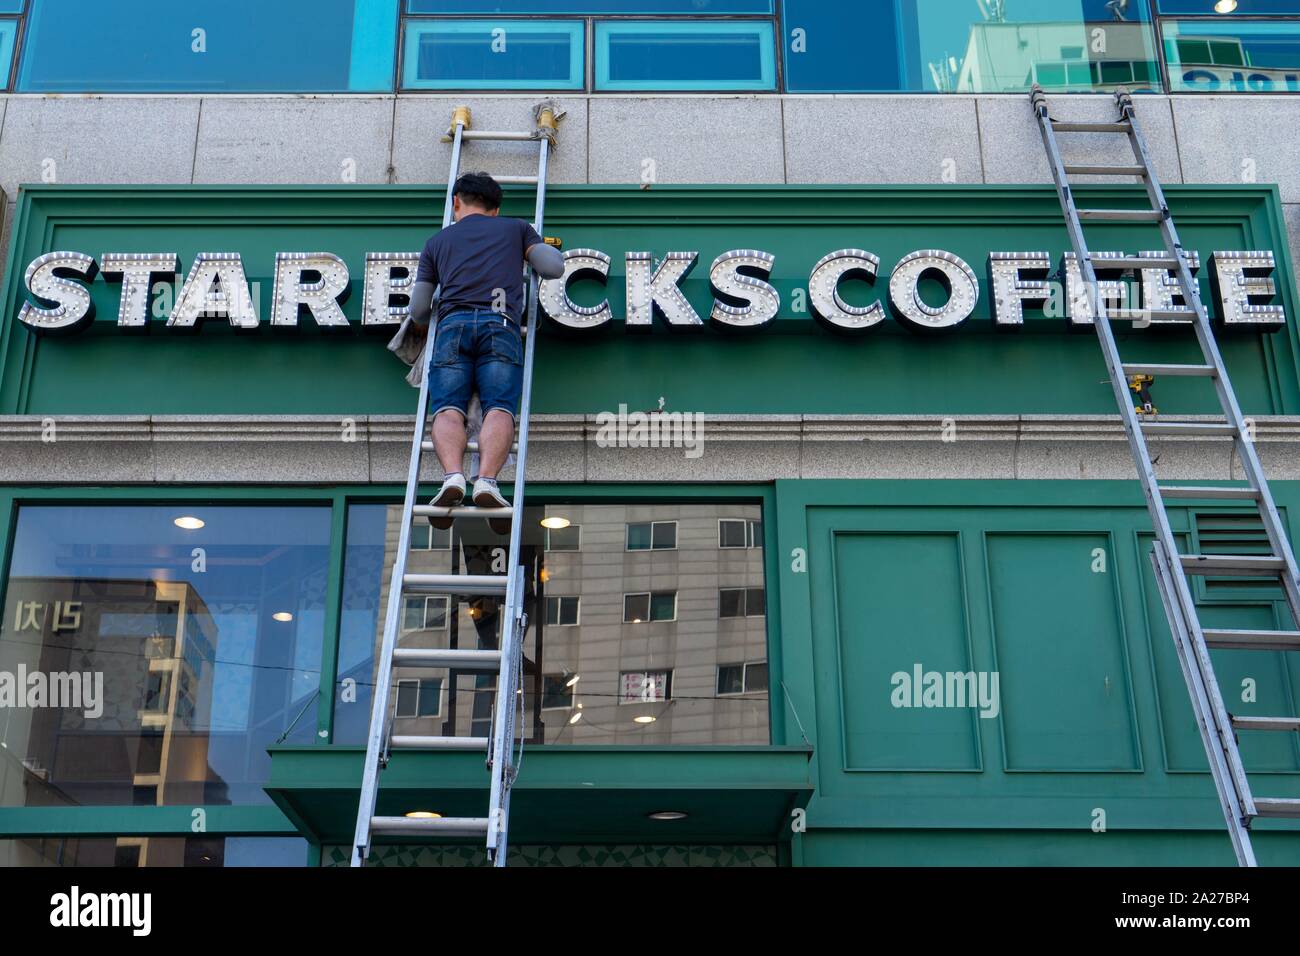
[476,350]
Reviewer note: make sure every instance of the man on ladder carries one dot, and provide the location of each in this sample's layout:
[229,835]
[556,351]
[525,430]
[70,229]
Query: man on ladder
[478,262]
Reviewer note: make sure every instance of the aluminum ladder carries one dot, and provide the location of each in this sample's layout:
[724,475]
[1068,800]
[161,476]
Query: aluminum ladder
[506,660]
[1217,726]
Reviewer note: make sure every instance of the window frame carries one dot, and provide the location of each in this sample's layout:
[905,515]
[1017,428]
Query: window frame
[668,686]
[765,27]
[649,618]
[410,602]
[560,599]
[420,683]
[571,688]
[627,533]
[579,57]
[744,678]
[753,535]
[546,547]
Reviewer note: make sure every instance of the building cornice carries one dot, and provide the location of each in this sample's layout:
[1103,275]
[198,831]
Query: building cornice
[320,449]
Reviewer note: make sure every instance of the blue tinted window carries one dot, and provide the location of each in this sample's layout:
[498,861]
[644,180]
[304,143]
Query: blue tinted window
[192,634]
[1243,8]
[1241,56]
[493,54]
[669,55]
[950,46]
[695,7]
[11,6]
[8,31]
[237,45]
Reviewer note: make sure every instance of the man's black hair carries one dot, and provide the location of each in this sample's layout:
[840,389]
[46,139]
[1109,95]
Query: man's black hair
[478,189]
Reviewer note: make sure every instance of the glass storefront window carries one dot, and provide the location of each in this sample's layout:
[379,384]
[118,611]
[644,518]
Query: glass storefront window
[623,646]
[965,46]
[140,851]
[159,650]
[493,54]
[231,46]
[685,55]
[1232,56]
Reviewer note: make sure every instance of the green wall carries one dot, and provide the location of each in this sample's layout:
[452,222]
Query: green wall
[1047,583]
[793,367]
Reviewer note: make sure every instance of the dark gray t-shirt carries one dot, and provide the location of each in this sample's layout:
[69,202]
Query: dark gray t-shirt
[474,258]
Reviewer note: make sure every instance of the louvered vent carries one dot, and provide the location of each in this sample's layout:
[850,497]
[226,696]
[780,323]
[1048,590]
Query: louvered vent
[1234,532]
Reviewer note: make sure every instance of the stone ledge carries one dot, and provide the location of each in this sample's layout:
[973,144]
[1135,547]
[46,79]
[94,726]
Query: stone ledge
[311,449]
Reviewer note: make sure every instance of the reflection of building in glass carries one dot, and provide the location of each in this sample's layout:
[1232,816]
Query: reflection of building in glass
[1216,62]
[153,643]
[647,625]
[1063,55]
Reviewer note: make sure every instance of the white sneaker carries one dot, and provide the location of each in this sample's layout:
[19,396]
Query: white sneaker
[488,495]
[449,495]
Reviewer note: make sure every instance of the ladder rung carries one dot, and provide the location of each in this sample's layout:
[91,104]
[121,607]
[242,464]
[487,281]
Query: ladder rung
[468,660]
[1266,723]
[1252,640]
[1101,263]
[516,180]
[455,583]
[400,742]
[1188,428]
[1232,563]
[1209,491]
[1063,127]
[506,135]
[1156,369]
[1120,215]
[471,448]
[461,511]
[430,826]
[1277,807]
[1153,315]
[1084,169]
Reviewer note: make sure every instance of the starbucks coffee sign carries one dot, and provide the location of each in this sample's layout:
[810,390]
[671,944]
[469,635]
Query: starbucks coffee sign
[311,286]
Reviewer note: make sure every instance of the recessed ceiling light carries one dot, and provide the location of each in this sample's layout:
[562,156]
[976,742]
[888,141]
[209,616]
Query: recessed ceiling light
[424,815]
[189,522]
[284,616]
[573,680]
[577,716]
[555,522]
[1225,6]
[644,719]
[667,815]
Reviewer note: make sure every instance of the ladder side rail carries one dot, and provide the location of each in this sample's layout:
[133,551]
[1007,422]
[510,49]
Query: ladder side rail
[1245,448]
[1200,697]
[375,740]
[1132,428]
[504,729]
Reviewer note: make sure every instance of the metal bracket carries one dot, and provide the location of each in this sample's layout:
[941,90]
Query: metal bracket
[460,116]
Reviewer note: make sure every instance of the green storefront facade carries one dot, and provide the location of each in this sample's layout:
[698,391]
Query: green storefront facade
[873,567]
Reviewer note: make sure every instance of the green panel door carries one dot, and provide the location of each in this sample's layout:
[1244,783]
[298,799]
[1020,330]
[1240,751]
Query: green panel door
[1263,675]
[1060,645]
[900,603]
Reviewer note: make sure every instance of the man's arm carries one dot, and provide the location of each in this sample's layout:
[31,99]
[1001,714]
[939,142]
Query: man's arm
[426,282]
[547,261]
[422,302]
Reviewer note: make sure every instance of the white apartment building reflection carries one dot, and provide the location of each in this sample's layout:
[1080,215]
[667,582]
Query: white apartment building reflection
[647,624]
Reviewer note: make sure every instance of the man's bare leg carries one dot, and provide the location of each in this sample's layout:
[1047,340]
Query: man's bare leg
[449,440]
[494,441]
